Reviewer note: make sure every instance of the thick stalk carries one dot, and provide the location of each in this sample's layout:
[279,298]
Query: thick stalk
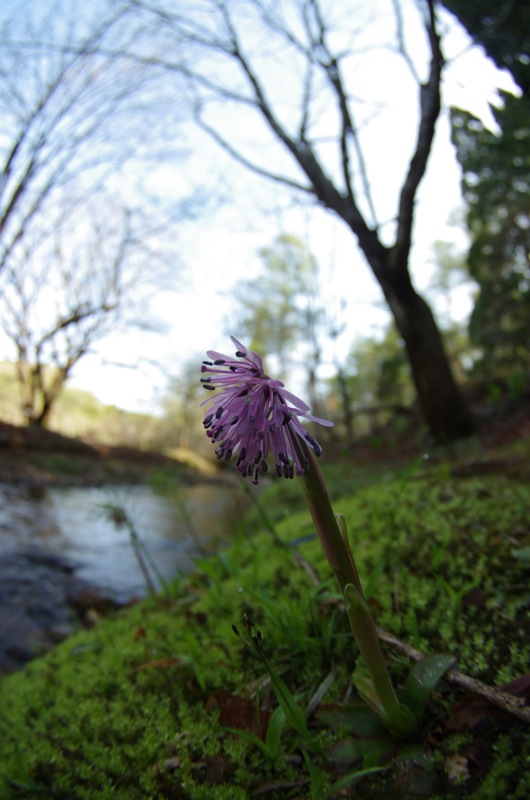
[341,560]
[337,552]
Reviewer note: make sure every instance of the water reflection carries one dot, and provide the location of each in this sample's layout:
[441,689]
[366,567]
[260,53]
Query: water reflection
[70,522]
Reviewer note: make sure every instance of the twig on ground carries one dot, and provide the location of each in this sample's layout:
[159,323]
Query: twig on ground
[508,702]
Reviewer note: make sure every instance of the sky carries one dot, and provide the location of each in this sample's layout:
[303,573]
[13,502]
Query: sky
[219,246]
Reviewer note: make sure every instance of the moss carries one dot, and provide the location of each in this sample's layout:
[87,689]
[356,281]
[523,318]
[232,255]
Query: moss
[129,709]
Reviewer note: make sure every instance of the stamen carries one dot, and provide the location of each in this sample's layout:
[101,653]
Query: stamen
[314,444]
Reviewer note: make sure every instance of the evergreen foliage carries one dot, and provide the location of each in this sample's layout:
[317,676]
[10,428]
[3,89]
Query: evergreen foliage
[496,184]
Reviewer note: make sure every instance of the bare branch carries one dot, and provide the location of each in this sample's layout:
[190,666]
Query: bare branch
[430,104]
[62,118]
[401,41]
[241,159]
[64,296]
[332,69]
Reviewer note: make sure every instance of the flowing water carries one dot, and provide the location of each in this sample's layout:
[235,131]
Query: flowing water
[70,523]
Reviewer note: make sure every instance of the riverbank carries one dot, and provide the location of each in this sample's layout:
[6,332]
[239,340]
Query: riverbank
[38,457]
[43,600]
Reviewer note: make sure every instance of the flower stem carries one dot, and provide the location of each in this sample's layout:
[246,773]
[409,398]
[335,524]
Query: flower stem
[340,558]
[335,547]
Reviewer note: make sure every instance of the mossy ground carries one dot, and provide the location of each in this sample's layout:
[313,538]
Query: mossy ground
[138,707]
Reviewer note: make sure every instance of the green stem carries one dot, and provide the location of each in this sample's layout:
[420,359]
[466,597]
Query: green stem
[365,633]
[335,547]
[340,558]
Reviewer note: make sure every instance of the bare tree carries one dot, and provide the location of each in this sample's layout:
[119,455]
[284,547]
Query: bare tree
[236,55]
[73,117]
[63,293]
[78,126]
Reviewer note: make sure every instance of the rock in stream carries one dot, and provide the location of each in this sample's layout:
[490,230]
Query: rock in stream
[41,603]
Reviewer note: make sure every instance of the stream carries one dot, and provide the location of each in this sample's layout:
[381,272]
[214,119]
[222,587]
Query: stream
[57,544]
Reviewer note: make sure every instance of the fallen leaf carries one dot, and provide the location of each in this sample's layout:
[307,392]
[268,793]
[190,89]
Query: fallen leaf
[239,712]
[519,686]
[467,713]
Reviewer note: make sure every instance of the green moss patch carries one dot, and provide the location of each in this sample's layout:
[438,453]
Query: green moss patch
[139,707]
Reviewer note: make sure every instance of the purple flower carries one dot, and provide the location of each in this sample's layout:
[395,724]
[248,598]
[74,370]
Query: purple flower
[253,417]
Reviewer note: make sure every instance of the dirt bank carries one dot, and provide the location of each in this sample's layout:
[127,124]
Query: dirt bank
[34,456]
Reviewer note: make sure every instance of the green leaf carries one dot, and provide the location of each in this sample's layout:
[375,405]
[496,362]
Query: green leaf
[403,720]
[251,738]
[369,750]
[422,679]
[274,733]
[290,708]
[522,554]
[356,717]
[317,778]
[352,776]
[362,681]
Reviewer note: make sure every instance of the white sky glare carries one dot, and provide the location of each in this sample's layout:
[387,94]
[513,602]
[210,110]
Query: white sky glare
[220,246]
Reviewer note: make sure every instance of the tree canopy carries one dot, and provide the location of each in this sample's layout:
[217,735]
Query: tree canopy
[502,29]
[288,74]
[496,186]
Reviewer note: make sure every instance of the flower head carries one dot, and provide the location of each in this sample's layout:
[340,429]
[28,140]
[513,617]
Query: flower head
[253,416]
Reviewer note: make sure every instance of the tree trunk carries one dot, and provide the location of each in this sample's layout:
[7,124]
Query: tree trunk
[443,404]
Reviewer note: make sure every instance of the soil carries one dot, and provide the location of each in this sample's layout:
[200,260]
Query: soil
[35,456]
